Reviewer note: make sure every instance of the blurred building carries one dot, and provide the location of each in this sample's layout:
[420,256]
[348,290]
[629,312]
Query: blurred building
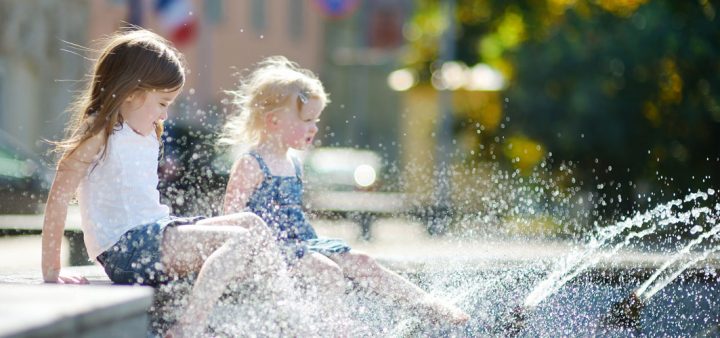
[351,44]
[223,37]
[37,72]
[42,49]
[361,49]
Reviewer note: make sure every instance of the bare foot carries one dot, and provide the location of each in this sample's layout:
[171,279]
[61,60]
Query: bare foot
[442,311]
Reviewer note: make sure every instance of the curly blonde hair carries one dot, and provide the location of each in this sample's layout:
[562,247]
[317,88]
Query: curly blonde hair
[275,83]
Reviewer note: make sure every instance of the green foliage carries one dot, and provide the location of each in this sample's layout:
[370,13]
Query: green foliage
[626,90]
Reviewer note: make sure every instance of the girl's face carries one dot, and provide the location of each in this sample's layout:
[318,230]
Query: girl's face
[298,128]
[144,109]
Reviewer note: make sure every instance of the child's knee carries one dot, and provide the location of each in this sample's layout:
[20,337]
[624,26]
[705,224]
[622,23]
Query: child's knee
[246,242]
[322,267]
[332,270]
[248,248]
[237,249]
[361,265]
[332,275]
[364,260]
[245,219]
[254,224]
[239,241]
[254,220]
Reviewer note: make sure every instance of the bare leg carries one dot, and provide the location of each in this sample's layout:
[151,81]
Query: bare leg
[221,254]
[317,270]
[365,270]
[323,284]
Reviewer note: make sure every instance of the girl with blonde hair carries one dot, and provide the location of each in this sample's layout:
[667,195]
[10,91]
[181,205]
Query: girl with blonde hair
[277,109]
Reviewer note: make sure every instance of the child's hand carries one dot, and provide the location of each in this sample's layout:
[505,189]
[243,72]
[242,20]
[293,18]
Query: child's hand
[71,280]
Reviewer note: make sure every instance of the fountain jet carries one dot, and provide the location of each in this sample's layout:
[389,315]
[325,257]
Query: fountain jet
[514,322]
[625,313]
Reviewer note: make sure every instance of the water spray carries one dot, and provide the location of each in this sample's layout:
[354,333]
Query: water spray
[626,313]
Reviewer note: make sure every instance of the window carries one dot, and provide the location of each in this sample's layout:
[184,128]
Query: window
[296,16]
[257,15]
[213,11]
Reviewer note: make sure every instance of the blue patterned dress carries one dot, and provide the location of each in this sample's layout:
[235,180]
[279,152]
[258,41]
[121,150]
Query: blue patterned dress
[278,201]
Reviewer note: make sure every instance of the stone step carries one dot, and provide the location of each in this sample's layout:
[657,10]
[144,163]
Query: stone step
[48,310]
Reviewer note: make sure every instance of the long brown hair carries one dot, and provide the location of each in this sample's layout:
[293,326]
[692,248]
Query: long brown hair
[132,60]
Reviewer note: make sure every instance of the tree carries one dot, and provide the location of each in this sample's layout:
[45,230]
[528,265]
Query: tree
[625,90]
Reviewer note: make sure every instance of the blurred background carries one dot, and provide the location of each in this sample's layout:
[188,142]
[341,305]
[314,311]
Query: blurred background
[543,117]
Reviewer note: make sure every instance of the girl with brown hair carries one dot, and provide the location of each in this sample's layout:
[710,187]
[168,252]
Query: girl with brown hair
[110,158]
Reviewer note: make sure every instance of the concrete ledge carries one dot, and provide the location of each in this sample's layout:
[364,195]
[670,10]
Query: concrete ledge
[74,310]
[94,274]
[14,225]
[102,310]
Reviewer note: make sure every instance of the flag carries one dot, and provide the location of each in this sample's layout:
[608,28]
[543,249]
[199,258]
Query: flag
[135,12]
[337,8]
[177,20]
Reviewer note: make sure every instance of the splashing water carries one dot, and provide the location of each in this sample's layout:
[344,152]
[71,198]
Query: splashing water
[574,264]
[651,287]
[501,198]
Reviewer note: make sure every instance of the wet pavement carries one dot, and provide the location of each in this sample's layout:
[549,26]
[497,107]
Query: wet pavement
[397,243]
[488,276]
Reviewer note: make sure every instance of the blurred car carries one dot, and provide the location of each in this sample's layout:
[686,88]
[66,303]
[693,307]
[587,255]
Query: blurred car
[328,169]
[342,169]
[24,178]
[346,183]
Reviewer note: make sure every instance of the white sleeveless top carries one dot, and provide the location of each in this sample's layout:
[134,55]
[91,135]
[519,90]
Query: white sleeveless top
[119,191]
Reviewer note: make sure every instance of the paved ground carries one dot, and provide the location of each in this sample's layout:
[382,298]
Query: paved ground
[20,253]
[403,245]
[395,241]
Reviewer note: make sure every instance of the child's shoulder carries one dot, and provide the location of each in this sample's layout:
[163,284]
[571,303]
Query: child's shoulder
[95,141]
[246,159]
[246,163]
[87,150]
[246,170]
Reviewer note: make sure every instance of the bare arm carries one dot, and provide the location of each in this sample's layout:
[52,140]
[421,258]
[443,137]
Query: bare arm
[245,177]
[69,173]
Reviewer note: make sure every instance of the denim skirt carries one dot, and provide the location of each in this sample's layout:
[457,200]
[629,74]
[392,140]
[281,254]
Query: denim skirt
[135,258]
